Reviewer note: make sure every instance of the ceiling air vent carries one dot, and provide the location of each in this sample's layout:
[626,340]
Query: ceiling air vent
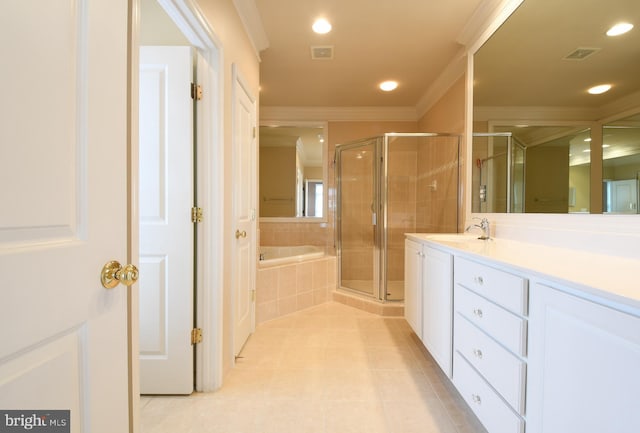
[580,53]
[324,52]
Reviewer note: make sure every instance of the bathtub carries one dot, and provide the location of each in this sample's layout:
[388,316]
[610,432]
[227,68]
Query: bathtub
[275,256]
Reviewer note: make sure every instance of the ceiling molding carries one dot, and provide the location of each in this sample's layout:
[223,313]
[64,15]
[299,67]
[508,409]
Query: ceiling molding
[487,17]
[627,105]
[339,113]
[479,21]
[452,73]
[526,113]
[485,21]
[250,17]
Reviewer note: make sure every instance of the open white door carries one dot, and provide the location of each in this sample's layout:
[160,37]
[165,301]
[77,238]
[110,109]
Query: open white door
[63,177]
[244,181]
[166,229]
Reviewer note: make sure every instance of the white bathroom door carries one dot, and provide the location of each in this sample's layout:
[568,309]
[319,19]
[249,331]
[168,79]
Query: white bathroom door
[166,229]
[624,196]
[244,181]
[64,195]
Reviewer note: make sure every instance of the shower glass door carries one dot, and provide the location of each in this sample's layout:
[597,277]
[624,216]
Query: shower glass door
[357,170]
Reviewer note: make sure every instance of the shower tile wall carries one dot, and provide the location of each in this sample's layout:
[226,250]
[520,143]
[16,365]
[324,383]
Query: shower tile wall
[402,169]
[437,191]
[357,230]
[422,197]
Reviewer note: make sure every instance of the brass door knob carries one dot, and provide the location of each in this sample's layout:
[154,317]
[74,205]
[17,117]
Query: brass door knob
[114,273]
[241,234]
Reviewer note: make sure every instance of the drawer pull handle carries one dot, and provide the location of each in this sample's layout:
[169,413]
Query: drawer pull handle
[477,353]
[477,312]
[478,280]
[476,399]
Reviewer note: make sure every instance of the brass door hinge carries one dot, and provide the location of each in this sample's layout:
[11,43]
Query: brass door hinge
[253,295]
[196,336]
[254,132]
[196,215]
[196,91]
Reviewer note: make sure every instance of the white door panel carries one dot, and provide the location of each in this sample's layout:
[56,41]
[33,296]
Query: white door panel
[63,171]
[166,230]
[244,175]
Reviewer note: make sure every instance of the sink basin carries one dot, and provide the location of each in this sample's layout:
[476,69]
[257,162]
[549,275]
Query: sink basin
[463,241]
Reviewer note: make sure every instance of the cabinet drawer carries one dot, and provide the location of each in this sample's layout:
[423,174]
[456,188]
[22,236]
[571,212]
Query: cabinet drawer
[505,289]
[504,371]
[493,412]
[504,326]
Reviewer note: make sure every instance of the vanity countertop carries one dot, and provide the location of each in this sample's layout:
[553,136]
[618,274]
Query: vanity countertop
[609,277]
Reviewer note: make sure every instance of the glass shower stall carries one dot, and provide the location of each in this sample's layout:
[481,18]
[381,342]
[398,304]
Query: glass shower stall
[387,186]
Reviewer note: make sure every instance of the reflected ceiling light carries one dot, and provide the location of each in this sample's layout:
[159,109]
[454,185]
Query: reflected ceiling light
[604,146]
[321,26]
[388,86]
[587,150]
[320,138]
[587,139]
[619,29]
[597,90]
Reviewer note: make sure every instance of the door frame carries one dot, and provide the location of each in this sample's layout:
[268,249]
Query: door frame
[187,15]
[239,84]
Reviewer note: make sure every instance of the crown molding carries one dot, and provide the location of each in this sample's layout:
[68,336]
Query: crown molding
[622,107]
[250,17]
[487,17]
[452,73]
[338,114]
[527,113]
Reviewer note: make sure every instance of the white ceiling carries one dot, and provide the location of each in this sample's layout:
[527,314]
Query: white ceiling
[410,41]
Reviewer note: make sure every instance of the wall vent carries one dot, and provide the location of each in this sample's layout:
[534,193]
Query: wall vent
[322,52]
[581,53]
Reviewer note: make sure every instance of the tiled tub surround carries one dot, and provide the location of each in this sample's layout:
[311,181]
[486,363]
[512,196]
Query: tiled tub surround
[273,256]
[285,289]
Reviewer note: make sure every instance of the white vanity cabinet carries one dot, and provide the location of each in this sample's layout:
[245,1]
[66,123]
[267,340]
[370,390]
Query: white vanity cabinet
[429,298]
[489,340]
[413,285]
[437,306]
[541,343]
[584,365]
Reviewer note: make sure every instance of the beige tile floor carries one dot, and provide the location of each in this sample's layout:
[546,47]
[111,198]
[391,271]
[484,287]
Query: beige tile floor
[328,369]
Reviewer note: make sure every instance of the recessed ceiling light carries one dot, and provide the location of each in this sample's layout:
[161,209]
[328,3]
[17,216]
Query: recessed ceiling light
[596,90]
[388,86]
[321,26]
[619,29]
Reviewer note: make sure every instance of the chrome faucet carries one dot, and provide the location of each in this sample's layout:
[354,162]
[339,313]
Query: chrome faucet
[484,226]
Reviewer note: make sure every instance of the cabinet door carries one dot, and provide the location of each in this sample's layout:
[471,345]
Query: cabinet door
[584,366]
[413,285]
[437,306]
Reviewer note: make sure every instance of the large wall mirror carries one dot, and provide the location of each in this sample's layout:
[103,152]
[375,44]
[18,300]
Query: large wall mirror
[542,143]
[293,171]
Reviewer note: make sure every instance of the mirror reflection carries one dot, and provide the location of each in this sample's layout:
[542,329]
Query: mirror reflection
[292,181]
[621,166]
[551,147]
